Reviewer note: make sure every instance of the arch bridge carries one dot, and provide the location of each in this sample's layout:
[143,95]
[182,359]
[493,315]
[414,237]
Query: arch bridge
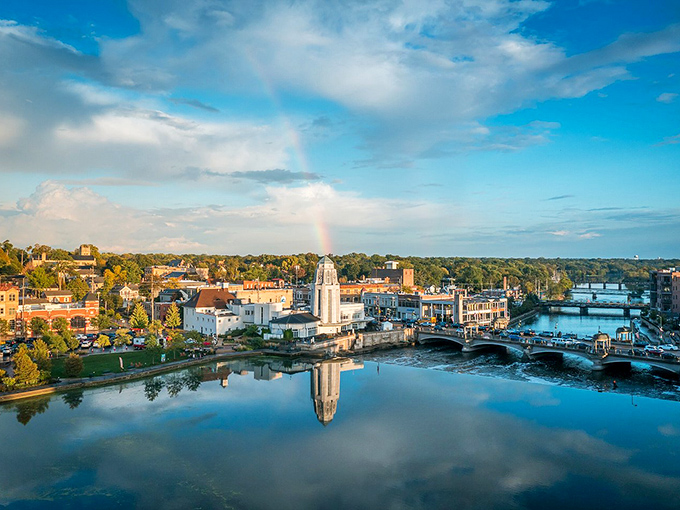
[534,349]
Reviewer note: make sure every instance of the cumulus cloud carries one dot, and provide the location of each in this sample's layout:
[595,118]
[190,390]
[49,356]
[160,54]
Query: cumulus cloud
[419,78]
[667,97]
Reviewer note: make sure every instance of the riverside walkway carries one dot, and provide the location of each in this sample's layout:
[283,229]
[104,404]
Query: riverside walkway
[534,348]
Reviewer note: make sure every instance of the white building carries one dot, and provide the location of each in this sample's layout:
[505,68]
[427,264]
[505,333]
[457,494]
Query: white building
[325,294]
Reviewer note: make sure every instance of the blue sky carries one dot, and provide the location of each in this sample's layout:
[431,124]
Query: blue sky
[463,127]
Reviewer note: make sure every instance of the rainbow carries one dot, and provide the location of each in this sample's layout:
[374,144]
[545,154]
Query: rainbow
[320,228]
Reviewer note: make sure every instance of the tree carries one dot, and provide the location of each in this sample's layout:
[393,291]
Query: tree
[139,318]
[41,355]
[78,287]
[26,370]
[172,318]
[151,342]
[73,365]
[122,337]
[102,321]
[62,269]
[4,327]
[70,339]
[60,324]
[40,279]
[73,398]
[38,326]
[55,342]
[155,327]
[103,341]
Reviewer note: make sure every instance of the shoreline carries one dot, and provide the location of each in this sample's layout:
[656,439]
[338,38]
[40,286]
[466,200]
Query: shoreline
[133,374]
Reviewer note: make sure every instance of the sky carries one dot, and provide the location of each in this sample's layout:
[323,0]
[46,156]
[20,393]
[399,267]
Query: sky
[505,128]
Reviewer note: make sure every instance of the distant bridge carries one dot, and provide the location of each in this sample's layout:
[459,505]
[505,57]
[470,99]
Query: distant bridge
[584,306]
[533,349]
[618,285]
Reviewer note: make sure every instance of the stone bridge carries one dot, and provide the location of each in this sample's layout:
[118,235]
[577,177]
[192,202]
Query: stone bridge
[584,306]
[534,349]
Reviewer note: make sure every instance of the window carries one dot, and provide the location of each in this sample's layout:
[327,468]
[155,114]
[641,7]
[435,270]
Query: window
[2,297]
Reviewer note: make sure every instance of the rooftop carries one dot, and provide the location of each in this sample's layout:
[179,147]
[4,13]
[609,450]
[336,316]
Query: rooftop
[296,318]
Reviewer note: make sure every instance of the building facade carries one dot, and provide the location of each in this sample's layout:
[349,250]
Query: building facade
[391,271]
[9,303]
[79,314]
[664,295]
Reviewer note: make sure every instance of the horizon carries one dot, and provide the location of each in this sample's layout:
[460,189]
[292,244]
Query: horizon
[468,128]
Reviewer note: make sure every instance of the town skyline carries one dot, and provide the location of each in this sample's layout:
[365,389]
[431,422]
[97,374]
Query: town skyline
[464,128]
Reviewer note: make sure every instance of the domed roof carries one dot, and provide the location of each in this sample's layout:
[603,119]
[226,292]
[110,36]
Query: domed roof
[601,337]
[623,329]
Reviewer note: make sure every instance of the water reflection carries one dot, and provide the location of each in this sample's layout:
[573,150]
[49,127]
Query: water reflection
[324,380]
[245,437]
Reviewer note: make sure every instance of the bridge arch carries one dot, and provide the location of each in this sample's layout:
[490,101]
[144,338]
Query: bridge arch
[434,336]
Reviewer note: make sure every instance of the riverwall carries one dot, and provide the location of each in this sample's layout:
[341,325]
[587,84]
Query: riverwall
[382,339]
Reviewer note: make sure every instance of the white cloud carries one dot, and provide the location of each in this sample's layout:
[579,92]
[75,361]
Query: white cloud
[667,97]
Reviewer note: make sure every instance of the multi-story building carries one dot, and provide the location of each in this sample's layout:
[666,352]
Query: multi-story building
[664,293]
[79,314]
[9,302]
[392,272]
[454,308]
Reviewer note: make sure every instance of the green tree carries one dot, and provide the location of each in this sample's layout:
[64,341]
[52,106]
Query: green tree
[155,327]
[41,355]
[173,320]
[73,365]
[103,341]
[122,337]
[4,327]
[60,324]
[78,287]
[26,370]
[38,326]
[55,342]
[151,342]
[40,279]
[139,318]
[70,339]
[102,321]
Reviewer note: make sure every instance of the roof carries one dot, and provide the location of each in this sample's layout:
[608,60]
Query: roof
[8,286]
[176,274]
[325,260]
[296,318]
[53,293]
[90,296]
[210,298]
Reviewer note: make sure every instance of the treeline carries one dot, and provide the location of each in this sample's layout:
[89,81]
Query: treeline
[475,273]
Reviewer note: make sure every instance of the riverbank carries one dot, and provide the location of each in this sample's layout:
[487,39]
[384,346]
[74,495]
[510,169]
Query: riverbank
[136,373]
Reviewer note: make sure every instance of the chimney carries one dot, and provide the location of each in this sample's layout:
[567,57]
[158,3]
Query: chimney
[505,283]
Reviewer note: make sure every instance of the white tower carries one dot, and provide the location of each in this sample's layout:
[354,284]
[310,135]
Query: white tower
[326,292]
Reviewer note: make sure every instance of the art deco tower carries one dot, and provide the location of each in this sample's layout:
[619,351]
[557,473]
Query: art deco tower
[326,292]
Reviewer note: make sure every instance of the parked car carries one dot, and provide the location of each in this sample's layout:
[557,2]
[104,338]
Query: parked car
[86,343]
[139,342]
[668,347]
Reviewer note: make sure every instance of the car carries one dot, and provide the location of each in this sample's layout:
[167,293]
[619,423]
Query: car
[638,352]
[7,350]
[667,355]
[81,336]
[514,338]
[668,347]
[85,344]
[139,342]
[546,334]
[581,346]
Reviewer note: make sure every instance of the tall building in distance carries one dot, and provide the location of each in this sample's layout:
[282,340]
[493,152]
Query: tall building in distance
[392,273]
[664,295]
[325,295]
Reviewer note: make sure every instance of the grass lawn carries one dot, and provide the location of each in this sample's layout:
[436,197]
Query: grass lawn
[98,364]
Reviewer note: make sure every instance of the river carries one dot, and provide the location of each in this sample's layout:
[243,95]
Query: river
[416,428]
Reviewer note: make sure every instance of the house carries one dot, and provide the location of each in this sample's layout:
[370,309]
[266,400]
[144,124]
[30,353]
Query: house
[303,325]
[128,293]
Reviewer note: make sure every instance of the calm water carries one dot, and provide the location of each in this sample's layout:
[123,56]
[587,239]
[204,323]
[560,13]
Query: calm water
[353,434]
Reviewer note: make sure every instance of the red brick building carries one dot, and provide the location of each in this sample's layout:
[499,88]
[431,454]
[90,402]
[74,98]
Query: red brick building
[80,314]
